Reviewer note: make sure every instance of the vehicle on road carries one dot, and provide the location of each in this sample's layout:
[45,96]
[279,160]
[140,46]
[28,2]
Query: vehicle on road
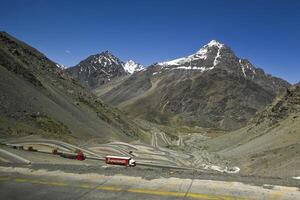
[77,156]
[118,160]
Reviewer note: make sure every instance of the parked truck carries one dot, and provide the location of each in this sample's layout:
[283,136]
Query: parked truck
[118,160]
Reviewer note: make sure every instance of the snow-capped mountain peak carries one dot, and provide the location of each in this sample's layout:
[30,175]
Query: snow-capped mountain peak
[130,66]
[212,55]
[201,54]
[215,43]
[204,50]
[98,69]
[106,58]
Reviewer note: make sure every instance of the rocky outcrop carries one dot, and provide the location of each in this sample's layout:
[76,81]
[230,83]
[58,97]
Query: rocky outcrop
[97,70]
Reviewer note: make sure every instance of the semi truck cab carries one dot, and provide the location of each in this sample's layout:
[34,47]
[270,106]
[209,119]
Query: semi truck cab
[132,162]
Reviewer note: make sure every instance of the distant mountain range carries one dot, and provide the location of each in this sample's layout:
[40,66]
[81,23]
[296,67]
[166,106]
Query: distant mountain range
[99,69]
[211,88]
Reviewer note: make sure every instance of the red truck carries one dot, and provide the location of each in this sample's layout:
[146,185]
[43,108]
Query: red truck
[118,160]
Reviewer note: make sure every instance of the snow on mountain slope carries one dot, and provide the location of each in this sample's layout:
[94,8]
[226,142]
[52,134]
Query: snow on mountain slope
[99,69]
[60,66]
[130,66]
[104,59]
[201,54]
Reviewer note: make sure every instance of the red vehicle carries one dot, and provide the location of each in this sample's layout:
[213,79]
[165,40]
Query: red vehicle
[80,156]
[118,160]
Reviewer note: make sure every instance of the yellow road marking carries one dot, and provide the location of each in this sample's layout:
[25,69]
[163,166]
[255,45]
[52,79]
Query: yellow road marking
[275,195]
[109,188]
[156,192]
[212,197]
[21,180]
[183,194]
[4,178]
[86,186]
[132,190]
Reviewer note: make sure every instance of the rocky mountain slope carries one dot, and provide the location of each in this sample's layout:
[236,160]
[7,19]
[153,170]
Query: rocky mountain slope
[37,97]
[270,144]
[97,69]
[100,69]
[211,88]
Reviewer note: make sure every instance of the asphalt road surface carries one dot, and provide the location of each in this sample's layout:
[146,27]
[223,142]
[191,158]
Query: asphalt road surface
[24,183]
[49,176]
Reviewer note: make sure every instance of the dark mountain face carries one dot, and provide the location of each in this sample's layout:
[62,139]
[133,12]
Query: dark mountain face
[211,88]
[38,98]
[98,69]
[286,105]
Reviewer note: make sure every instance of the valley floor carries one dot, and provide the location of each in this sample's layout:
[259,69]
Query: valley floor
[160,174]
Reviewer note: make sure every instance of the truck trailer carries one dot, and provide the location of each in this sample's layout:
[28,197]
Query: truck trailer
[118,160]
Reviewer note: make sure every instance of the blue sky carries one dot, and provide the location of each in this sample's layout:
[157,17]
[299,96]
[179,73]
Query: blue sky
[265,31]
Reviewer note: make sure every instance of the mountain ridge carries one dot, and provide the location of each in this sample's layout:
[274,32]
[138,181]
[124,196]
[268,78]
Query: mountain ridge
[269,144]
[200,89]
[101,68]
[37,97]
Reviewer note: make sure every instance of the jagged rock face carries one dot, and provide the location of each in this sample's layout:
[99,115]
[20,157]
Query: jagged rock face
[211,88]
[98,69]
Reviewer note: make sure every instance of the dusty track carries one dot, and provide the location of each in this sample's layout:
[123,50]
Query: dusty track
[145,155]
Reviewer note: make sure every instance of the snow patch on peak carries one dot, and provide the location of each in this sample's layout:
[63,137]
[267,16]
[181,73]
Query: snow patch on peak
[201,54]
[202,69]
[243,68]
[215,43]
[204,49]
[60,66]
[131,67]
[106,58]
[216,61]
[246,66]
[177,61]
